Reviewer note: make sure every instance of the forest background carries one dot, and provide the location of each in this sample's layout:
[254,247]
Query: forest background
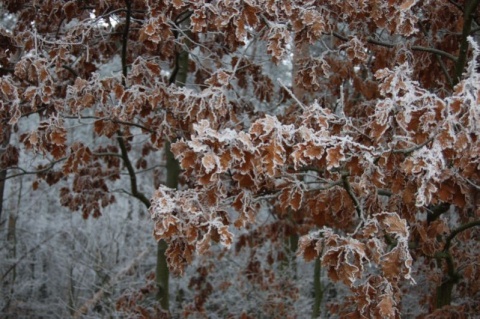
[294,159]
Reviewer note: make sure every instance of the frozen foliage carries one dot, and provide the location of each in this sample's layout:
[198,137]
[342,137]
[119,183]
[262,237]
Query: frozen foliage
[297,159]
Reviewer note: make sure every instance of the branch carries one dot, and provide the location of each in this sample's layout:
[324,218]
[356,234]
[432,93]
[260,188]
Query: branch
[471,183]
[470,8]
[445,254]
[25,172]
[434,51]
[474,30]
[49,167]
[456,4]
[106,154]
[457,231]
[146,169]
[133,178]
[111,120]
[7,70]
[26,254]
[71,70]
[348,188]
[121,142]
[436,211]
[187,14]
[410,150]
[125,41]
[443,67]
[99,294]
[384,192]
[326,187]
[392,45]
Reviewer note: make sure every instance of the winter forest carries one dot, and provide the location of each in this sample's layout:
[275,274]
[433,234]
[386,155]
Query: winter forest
[239,159]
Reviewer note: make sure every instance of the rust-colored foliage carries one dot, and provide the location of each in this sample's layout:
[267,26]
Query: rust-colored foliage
[369,152]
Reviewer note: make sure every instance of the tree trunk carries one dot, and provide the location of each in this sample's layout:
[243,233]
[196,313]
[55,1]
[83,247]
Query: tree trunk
[3,171]
[317,288]
[444,293]
[173,172]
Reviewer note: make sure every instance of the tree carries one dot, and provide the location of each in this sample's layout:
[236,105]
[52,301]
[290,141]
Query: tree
[351,126]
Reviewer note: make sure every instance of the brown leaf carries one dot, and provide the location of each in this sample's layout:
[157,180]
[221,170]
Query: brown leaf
[395,225]
[274,158]
[7,88]
[226,237]
[33,138]
[306,248]
[177,3]
[58,137]
[209,162]
[334,156]
[250,14]
[314,151]
[407,4]
[69,9]
[391,263]
[386,307]
[154,68]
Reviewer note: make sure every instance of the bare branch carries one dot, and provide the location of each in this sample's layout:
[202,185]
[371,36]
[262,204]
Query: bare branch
[353,197]
[126,30]
[457,231]
[410,150]
[101,292]
[25,172]
[26,255]
[393,45]
[133,179]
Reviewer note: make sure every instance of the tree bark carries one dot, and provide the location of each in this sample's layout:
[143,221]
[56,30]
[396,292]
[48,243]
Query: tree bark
[3,172]
[469,11]
[317,289]
[173,173]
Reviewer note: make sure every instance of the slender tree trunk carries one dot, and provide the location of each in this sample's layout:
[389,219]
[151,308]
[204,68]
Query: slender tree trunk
[161,270]
[317,289]
[3,172]
[12,242]
[8,283]
[289,264]
[173,172]
[71,291]
[444,293]
[470,8]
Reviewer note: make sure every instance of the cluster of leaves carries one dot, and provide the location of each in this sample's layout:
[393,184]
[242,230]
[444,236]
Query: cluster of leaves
[376,132]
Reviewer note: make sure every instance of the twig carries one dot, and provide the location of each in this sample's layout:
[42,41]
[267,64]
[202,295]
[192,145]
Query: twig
[457,231]
[353,197]
[71,70]
[384,192]
[101,292]
[392,45]
[25,172]
[49,167]
[324,188]
[456,4]
[471,183]
[125,42]
[407,151]
[111,120]
[439,59]
[133,179]
[26,254]
[291,94]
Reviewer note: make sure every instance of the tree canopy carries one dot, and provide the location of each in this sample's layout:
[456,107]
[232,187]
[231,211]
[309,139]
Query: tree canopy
[342,132]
